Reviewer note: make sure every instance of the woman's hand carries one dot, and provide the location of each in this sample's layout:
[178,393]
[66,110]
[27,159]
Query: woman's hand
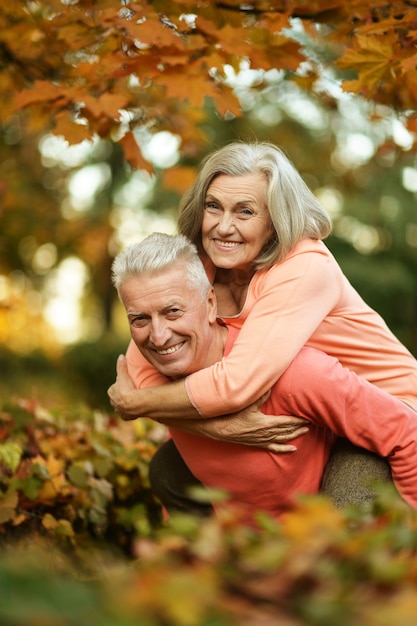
[249,427]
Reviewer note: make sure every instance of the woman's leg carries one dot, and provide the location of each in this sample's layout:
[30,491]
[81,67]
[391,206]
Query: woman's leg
[170,480]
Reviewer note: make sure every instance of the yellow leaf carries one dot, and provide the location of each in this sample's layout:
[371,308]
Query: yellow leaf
[369,53]
[49,522]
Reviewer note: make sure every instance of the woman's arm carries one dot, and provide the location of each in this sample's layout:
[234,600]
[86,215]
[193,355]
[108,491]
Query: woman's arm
[285,306]
[249,427]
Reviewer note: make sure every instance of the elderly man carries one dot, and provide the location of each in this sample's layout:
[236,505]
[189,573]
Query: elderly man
[171,309]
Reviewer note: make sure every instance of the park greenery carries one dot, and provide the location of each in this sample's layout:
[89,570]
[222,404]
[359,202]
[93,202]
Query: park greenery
[106,109]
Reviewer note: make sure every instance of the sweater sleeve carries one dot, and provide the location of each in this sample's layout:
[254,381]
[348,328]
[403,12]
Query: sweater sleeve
[284,307]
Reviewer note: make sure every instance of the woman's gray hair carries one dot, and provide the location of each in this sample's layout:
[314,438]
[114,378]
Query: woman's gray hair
[157,252]
[294,210]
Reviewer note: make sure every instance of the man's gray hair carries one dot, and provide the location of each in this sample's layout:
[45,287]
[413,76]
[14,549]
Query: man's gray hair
[156,253]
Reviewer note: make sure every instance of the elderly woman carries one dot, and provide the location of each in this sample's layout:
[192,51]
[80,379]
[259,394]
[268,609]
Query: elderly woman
[260,231]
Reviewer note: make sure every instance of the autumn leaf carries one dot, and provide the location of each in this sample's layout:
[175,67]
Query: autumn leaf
[133,154]
[374,59]
[74,132]
[8,504]
[42,91]
[107,104]
[10,455]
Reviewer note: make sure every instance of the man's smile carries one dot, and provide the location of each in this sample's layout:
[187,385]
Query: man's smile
[171,349]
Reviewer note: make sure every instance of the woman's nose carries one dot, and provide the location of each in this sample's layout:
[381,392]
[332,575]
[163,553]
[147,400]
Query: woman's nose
[226,222]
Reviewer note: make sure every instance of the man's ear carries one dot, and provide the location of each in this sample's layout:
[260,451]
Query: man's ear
[211,305]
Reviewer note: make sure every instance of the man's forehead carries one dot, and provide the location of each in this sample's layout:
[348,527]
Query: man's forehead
[159,304]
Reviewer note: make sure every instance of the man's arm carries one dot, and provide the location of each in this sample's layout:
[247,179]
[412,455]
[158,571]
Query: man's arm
[249,427]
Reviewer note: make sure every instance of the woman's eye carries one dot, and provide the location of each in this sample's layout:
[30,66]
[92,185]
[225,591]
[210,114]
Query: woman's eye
[246,212]
[211,207]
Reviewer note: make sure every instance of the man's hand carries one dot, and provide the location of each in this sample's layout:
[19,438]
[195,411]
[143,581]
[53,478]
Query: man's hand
[122,390]
[249,427]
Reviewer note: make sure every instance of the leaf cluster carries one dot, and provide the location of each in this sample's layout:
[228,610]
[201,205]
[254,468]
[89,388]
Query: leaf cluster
[74,476]
[100,68]
[318,567]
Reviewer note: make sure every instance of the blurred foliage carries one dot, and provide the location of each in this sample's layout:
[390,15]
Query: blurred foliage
[82,542]
[90,367]
[74,474]
[79,374]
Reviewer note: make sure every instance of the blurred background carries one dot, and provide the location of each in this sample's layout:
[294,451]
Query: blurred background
[65,212]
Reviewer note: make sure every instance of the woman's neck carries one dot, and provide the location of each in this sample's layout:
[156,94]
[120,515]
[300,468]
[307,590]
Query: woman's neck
[237,277]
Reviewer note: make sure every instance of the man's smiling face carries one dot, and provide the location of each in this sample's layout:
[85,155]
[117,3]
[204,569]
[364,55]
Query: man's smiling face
[171,324]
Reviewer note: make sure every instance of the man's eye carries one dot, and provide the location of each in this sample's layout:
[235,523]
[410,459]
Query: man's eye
[137,322]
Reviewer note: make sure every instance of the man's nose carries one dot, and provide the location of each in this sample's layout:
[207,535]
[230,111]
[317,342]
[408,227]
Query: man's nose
[159,332]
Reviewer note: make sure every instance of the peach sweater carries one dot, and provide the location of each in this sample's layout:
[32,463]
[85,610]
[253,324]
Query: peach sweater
[304,300]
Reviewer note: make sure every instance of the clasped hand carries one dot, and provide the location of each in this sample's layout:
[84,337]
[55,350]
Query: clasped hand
[248,427]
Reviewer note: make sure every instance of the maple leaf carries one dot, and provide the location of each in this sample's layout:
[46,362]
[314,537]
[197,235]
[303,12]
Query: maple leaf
[133,154]
[225,100]
[42,91]
[107,104]
[374,59]
[72,131]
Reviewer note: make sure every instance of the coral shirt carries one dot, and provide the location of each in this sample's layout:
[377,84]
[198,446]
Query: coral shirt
[256,479]
[338,403]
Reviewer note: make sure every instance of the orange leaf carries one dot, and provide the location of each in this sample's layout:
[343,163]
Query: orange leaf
[42,91]
[225,100]
[108,104]
[412,123]
[133,154]
[66,127]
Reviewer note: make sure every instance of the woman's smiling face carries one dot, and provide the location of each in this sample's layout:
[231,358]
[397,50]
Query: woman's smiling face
[236,223]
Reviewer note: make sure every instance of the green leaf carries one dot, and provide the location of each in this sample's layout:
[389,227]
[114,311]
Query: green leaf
[10,454]
[78,476]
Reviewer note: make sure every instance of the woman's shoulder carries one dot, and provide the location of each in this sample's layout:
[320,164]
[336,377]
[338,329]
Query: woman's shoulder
[306,246]
[308,252]
[310,261]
